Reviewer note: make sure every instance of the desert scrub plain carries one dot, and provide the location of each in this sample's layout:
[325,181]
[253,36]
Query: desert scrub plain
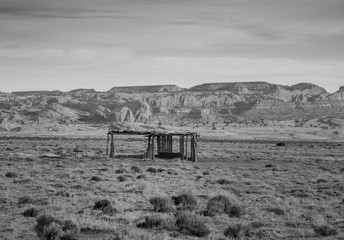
[237,190]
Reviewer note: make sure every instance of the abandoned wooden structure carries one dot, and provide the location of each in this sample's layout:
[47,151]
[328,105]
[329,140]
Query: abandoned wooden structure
[164,142]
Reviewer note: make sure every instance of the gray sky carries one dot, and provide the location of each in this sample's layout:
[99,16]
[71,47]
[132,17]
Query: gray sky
[68,44]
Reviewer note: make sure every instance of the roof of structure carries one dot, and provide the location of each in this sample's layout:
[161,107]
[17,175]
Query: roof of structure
[145,129]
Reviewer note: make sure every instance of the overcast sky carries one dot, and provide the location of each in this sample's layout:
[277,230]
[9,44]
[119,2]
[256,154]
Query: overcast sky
[69,44]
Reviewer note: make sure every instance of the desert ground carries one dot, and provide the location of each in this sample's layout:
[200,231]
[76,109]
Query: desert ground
[294,191]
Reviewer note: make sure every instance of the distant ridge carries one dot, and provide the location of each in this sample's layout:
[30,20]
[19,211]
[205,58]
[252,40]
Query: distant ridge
[151,88]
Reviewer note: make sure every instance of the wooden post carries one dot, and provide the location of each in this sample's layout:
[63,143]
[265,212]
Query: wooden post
[181,147]
[163,144]
[170,142]
[158,144]
[186,147]
[192,149]
[195,147]
[149,147]
[107,146]
[152,148]
[112,147]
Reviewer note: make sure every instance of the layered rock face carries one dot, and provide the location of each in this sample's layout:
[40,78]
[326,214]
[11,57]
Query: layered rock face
[206,102]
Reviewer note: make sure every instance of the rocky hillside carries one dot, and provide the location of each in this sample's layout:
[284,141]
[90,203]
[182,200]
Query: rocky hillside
[210,102]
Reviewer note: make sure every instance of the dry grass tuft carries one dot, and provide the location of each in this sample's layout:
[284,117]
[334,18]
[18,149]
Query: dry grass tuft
[152,170]
[25,200]
[161,204]
[238,231]
[136,169]
[120,171]
[191,224]
[96,179]
[11,175]
[224,204]
[31,212]
[325,231]
[152,221]
[185,200]
[105,206]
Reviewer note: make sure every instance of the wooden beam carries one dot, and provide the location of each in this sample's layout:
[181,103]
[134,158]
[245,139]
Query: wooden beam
[107,146]
[112,147]
[152,148]
[181,147]
[170,143]
[186,147]
[158,144]
[149,146]
[195,148]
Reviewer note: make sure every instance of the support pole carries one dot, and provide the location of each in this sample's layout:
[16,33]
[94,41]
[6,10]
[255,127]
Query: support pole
[195,148]
[152,148]
[112,148]
[181,147]
[149,146]
[163,143]
[186,147]
[170,143]
[158,144]
[107,146]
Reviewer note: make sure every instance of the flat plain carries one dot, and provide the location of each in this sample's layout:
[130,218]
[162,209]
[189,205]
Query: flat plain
[294,191]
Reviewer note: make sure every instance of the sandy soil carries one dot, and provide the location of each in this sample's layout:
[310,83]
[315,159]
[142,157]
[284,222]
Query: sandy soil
[285,192]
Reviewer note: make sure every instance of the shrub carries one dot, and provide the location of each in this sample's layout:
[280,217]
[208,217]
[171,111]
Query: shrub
[105,206]
[161,204]
[186,200]
[25,200]
[42,222]
[96,179]
[276,211]
[325,230]
[223,204]
[52,232]
[31,212]
[136,169]
[152,170]
[151,222]
[120,171]
[206,173]
[69,228]
[191,224]
[11,175]
[141,176]
[238,231]
[223,181]
[123,178]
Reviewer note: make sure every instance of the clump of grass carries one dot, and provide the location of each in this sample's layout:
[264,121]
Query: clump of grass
[120,171]
[191,224]
[277,211]
[123,178]
[25,200]
[206,173]
[161,204]
[238,231]
[152,170]
[105,206]
[223,204]
[136,169]
[11,175]
[52,232]
[141,176]
[185,200]
[96,179]
[152,221]
[223,181]
[171,172]
[325,230]
[31,212]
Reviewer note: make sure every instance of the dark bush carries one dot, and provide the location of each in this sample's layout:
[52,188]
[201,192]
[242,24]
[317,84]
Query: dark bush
[96,179]
[42,222]
[280,144]
[25,200]
[136,169]
[325,231]
[151,222]
[161,204]
[69,228]
[223,204]
[238,231]
[123,178]
[11,175]
[185,200]
[31,212]
[191,224]
[223,181]
[152,170]
[105,206]
[120,171]
[141,176]
[206,173]
[53,231]
[276,211]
